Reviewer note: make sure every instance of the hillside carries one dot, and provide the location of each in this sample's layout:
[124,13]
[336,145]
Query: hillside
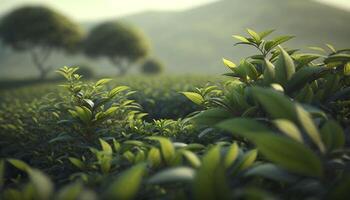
[194,41]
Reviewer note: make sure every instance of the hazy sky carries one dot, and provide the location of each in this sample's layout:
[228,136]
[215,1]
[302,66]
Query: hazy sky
[86,10]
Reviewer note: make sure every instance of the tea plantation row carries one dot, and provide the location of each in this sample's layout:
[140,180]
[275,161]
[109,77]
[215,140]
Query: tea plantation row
[277,127]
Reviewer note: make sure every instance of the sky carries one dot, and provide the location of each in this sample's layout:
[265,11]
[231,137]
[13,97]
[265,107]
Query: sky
[94,10]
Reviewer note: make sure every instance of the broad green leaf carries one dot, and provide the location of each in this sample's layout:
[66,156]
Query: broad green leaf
[171,175]
[248,159]
[210,180]
[338,58]
[288,153]
[19,164]
[231,155]
[288,128]
[331,47]
[309,126]
[191,158]
[128,183]
[106,147]
[117,90]
[167,148]
[284,67]
[102,82]
[154,157]
[84,114]
[76,162]
[318,49]
[332,135]
[269,45]
[275,103]
[229,64]
[42,184]
[254,35]
[244,127]
[266,33]
[241,38]
[250,70]
[194,97]
[211,116]
[304,76]
[269,72]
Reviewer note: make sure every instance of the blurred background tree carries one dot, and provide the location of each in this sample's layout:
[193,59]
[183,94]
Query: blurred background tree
[122,44]
[152,66]
[39,30]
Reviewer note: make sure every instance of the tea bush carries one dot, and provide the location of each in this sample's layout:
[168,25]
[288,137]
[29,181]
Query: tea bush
[276,128]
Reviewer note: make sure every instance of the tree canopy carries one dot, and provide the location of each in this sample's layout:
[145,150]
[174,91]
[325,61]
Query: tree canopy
[152,66]
[40,30]
[121,43]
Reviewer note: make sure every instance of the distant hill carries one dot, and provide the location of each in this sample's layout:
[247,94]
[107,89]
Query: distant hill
[195,40]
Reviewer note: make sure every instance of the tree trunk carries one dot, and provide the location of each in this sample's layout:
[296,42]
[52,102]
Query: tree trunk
[39,62]
[121,64]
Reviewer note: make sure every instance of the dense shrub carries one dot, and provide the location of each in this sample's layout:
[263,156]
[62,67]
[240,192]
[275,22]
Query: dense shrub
[152,66]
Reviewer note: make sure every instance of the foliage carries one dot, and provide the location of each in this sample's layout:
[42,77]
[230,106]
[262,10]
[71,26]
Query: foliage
[119,42]
[276,128]
[152,66]
[39,30]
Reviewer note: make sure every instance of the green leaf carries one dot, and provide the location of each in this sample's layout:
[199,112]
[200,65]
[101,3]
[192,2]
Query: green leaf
[231,155]
[283,151]
[167,148]
[191,158]
[248,159]
[338,58]
[177,174]
[289,154]
[309,126]
[269,72]
[117,90]
[19,164]
[84,114]
[347,69]
[76,162]
[210,180]
[333,135]
[106,147]
[254,35]
[318,49]
[275,103]
[266,33]
[127,184]
[250,70]
[331,47]
[102,82]
[154,157]
[304,76]
[285,67]
[288,128]
[211,116]
[194,97]
[42,184]
[229,64]
[241,38]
